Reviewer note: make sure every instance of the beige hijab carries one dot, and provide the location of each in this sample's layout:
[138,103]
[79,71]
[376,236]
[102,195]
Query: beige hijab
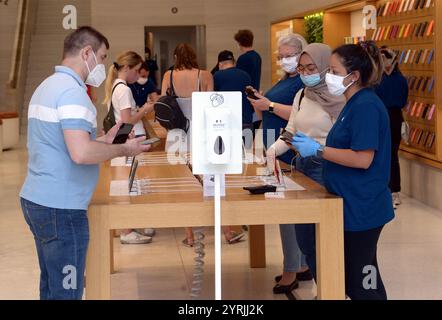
[320,54]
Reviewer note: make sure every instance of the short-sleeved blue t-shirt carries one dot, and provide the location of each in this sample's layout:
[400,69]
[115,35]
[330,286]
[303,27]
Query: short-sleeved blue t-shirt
[283,92]
[251,62]
[141,92]
[234,79]
[393,90]
[54,180]
[362,125]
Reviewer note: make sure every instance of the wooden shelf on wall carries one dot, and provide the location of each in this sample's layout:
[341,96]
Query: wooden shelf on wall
[336,26]
[414,44]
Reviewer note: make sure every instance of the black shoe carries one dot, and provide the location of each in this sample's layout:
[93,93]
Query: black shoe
[278,289]
[301,276]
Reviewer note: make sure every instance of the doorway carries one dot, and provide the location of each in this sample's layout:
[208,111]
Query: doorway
[162,42]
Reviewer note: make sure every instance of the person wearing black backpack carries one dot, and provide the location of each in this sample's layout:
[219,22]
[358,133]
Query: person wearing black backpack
[178,86]
[119,98]
[121,103]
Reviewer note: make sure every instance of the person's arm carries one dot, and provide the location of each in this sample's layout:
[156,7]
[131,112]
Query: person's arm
[84,151]
[262,104]
[349,158]
[123,101]
[153,97]
[207,79]
[127,117]
[166,83]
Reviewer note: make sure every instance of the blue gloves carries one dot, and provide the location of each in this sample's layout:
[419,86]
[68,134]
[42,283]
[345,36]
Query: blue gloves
[305,145]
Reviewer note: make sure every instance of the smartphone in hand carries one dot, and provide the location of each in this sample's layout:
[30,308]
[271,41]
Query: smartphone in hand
[286,137]
[251,94]
[150,141]
[123,133]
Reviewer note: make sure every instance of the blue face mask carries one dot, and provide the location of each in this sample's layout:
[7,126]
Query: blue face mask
[311,80]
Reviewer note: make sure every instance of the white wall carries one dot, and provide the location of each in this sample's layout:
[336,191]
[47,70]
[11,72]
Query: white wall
[8,24]
[357,30]
[422,182]
[123,23]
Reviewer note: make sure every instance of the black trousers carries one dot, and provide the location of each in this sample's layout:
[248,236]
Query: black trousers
[396,120]
[362,275]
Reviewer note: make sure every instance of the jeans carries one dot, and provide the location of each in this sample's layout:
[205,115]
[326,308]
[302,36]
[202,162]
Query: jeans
[306,233]
[61,238]
[294,256]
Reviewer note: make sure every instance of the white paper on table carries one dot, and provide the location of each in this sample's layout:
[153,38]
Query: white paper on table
[119,188]
[274,195]
[209,185]
[119,162]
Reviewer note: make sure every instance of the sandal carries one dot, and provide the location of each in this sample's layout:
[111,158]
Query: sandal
[187,243]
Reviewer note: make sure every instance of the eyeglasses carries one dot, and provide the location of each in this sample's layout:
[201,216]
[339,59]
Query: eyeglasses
[311,67]
[287,56]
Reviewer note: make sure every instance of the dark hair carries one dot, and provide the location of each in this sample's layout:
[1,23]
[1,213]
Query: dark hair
[389,56]
[244,38]
[185,57]
[364,57]
[144,66]
[82,37]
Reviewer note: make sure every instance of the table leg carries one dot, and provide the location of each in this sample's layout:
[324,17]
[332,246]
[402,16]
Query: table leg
[98,260]
[111,251]
[330,253]
[257,246]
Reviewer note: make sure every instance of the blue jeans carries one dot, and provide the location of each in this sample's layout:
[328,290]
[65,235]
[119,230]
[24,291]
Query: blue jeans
[61,238]
[294,256]
[305,233]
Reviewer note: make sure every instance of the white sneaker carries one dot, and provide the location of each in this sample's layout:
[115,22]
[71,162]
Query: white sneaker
[396,199]
[134,238]
[149,232]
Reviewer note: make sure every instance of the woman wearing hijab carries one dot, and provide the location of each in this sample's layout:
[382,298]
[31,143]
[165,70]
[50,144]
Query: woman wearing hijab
[314,112]
[393,91]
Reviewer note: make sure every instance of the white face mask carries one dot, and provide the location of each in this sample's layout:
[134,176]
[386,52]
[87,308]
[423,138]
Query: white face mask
[142,81]
[290,64]
[97,76]
[335,84]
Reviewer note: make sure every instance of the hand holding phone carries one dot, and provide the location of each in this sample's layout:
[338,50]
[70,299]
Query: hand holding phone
[250,92]
[123,133]
[287,137]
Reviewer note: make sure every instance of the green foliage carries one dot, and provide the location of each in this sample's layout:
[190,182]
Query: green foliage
[314,28]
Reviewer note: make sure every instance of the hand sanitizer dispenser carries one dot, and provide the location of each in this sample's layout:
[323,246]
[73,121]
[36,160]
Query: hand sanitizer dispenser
[218,135]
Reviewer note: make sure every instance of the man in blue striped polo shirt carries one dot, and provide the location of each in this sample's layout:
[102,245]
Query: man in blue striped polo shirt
[64,154]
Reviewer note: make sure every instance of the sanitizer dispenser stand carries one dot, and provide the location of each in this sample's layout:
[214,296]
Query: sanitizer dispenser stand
[217,149]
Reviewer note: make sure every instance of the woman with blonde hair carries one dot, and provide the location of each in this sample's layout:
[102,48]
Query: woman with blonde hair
[124,71]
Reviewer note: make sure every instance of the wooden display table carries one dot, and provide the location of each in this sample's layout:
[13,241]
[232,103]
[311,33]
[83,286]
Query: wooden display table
[190,209]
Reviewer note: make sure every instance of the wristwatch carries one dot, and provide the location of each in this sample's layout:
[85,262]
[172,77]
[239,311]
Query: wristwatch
[320,151]
[271,107]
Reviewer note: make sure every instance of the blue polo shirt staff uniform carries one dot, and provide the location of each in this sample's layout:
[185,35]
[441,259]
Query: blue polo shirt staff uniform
[362,125]
[283,92]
